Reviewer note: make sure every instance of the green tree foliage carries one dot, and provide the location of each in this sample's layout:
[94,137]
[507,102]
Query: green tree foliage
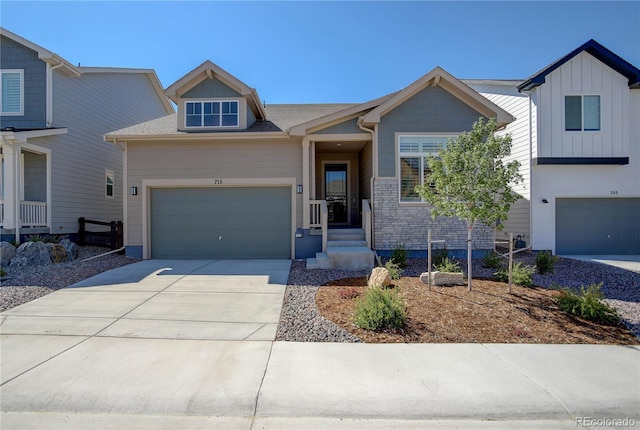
[470,179]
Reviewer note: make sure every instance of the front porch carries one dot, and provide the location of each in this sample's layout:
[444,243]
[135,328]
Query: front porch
[24,189]
[337,209]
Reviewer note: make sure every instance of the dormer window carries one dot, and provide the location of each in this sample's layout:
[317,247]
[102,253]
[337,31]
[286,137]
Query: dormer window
[204,114]
[582,113]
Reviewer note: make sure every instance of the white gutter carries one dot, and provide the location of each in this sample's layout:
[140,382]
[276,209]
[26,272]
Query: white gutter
[50,92]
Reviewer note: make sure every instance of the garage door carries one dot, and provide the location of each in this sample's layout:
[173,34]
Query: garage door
[220,222]
[598,226]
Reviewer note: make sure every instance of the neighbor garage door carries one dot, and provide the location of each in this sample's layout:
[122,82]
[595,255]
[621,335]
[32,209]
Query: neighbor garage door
[220,222]
[598,226]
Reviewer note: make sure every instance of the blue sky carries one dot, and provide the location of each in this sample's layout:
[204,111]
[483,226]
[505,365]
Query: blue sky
[314,52]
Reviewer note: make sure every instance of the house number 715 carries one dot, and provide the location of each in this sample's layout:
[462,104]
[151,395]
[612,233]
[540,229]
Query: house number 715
[614,193]
[217,182]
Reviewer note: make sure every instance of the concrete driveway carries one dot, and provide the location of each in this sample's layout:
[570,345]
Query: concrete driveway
[189,344]
[627,262]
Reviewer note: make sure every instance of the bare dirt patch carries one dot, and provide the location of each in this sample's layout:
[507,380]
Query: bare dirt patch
[488,314]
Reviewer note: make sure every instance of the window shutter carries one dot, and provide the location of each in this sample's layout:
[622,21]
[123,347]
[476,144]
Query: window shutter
[11,97]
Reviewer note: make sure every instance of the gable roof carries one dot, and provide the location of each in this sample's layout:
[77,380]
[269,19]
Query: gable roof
[209,70]
[45,55]
[598,51]
[440,77]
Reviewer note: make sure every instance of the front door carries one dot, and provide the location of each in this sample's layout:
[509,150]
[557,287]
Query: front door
[335,192]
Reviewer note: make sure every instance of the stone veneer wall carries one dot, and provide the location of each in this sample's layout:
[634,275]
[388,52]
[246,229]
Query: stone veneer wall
[396,224]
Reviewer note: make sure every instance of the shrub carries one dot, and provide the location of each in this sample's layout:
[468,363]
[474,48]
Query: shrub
[380,309]
[587,303]
[394,269]
[399,255]
[35,238]
[448,266]
[2,272]
[492,260]
[545,262]
[521,274]
[439,255]
[348,293]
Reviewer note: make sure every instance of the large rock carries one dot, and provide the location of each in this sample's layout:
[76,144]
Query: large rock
[31,254]
[71,248]
[443,278]
[379,278]
[7,251]
[57,252]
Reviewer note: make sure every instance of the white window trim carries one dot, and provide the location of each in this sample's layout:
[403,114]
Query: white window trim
[219,101]
[108,173]
[421,155]
[21,112]
[564,112]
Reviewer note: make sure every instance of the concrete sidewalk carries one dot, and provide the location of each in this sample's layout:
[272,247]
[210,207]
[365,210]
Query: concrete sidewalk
[190,345]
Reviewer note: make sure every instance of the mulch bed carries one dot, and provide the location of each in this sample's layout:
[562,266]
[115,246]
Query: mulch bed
[488,314]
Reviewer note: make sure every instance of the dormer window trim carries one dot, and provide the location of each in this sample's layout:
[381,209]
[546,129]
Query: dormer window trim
[212,114]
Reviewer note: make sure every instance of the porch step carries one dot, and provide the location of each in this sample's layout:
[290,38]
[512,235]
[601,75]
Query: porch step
[346,250]
[320,262]
[350,243]
[346,234]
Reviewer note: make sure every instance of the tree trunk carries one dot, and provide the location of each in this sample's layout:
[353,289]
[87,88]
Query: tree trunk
[469,230]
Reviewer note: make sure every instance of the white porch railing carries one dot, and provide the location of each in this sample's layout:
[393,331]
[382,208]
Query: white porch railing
[319,218]
[33,214]
[366,221]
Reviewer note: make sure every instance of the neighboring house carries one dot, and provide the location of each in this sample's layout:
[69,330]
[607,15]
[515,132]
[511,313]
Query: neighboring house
[577,137]
[54,164]
[229,177]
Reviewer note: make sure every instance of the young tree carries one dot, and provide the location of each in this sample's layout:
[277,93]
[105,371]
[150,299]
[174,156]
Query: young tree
[470,180]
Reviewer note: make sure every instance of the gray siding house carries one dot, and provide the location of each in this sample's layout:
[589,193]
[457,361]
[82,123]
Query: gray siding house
[54,163]
[230,177]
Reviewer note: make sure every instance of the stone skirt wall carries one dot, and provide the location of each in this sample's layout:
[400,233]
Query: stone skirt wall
[407,225]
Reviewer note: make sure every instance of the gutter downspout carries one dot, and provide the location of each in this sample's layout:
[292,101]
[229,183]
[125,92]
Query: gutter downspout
[374,160]
[50,92]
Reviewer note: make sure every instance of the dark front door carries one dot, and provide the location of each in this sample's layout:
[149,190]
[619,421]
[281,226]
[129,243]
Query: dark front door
[335,192]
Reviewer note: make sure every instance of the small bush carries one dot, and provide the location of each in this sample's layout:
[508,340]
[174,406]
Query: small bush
[587,303]
[439,256]
[2,272]
[349,293]
[399,255]
[545,262]
[521,274]
[35,238]
[492,260]
[380,309]
[394,269]
[448,266]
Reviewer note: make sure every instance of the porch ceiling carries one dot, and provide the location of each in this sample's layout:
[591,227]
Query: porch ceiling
[334,147]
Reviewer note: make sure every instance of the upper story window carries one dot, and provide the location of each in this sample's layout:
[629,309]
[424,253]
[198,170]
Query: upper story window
[582,113]
[211,114]
[413,166]
[11,102]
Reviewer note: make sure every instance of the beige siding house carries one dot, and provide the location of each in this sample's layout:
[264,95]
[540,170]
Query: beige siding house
[230,177]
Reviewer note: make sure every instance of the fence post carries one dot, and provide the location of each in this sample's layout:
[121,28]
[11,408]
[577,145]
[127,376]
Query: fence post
[510,260]
[120,230]
[82,231]
[113,235]
[429,260]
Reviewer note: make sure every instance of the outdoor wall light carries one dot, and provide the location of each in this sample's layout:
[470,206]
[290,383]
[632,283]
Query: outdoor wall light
[299,189]
[545,201]
[134,191]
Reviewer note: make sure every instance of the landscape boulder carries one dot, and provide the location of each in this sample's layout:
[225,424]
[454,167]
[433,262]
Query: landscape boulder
[71,248]
[7,251]
[31,254]
[443,278]
[379,278]
[57,252]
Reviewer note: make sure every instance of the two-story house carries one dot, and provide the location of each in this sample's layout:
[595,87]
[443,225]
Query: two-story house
[54,163]
[577,137]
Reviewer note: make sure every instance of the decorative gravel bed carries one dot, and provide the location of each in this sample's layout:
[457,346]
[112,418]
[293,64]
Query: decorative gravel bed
[24,285]
[300,320]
